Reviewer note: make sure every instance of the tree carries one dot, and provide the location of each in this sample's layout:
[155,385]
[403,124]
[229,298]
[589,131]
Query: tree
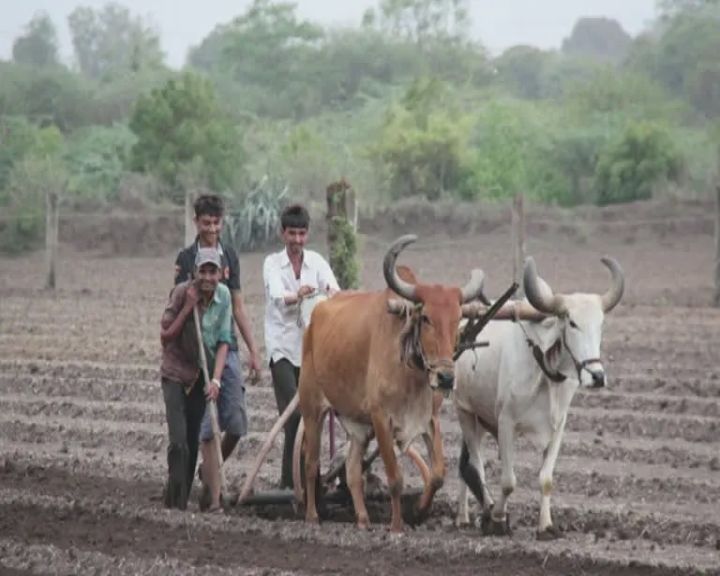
[424,21]
[38,46]
[181,124]
[111,41]
[630,167]
[422,143]
[599,38]
[95,160]
[681,52]
[37,171]
[522,70]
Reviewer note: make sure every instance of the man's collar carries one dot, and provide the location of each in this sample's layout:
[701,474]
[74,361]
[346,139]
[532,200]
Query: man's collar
[219,245]
[285,258]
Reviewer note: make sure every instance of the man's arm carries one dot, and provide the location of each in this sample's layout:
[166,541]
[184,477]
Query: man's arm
[176,314]
[183,269]
[243,322]
[275,290]
[327,279]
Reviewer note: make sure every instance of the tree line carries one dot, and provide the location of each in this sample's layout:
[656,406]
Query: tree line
[405,104]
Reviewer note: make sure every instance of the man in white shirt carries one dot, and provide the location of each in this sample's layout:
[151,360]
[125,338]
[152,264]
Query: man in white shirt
[290,276]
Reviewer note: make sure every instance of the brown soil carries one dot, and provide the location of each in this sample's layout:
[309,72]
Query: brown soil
[82,431]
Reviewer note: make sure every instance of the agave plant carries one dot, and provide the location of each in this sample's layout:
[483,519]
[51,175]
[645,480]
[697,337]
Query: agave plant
[256,217]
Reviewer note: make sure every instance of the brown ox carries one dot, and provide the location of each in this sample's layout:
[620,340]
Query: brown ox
[378,371]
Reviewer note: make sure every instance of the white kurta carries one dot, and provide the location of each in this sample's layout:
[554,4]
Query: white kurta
[283,333]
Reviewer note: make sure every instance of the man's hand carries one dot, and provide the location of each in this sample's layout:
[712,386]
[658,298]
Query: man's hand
[213,389]
[192,296]
[254,365]
[305,291]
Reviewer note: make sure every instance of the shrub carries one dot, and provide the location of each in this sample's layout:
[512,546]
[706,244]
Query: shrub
[629,168]
[255,217]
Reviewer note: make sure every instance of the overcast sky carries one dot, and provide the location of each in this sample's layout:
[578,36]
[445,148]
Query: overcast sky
[184,23]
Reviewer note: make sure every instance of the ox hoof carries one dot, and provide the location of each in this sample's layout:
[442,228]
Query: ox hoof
[550,533]
[363,524]
[493,527]
[411,511]
[315,520]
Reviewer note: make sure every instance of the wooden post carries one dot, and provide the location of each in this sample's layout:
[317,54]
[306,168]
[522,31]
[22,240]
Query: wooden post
[189,215]
[51,237]
[518,240]
[716,297]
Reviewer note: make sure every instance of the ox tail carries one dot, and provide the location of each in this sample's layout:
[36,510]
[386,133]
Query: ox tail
[470,474]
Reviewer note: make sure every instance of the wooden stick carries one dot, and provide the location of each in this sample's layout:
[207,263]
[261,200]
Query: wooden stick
[274,431]
[211,405]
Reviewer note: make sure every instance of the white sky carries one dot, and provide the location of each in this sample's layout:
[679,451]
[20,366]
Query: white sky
[184,23]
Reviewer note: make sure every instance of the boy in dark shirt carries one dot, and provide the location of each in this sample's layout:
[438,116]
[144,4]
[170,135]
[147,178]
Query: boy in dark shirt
[209,210]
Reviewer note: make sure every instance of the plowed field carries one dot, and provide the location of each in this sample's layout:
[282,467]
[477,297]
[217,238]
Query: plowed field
[82,430]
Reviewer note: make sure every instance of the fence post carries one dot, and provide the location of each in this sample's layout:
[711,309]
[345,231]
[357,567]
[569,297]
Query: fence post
[51,237]
[518,240]
[716,297]
[189,214]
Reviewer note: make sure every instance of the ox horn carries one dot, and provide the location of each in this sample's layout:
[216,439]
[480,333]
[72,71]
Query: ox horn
[611,298]
[394,282]
[538,292]
[474,288]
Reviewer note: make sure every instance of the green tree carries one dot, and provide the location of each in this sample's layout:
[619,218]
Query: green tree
[424,21]
[422,143]
[629,168]
[180,124]
[599,38]
[38,171]
[111,40]
[38,46]
[95,160]
[681,52]
[522,70]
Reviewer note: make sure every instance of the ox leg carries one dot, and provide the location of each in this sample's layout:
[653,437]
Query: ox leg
[383,435]
[499,524]
[313,430]
[472,468]
[353,469]
[546,530]
[433,443]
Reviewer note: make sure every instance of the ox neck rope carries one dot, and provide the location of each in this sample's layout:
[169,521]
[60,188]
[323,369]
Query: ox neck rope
[541,357]
[411,351]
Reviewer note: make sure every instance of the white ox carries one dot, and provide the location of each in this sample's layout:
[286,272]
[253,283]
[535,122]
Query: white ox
[523,383]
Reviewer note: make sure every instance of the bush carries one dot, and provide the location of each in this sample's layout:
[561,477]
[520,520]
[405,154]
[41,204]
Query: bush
[422,143]
[629,168]
[95,160]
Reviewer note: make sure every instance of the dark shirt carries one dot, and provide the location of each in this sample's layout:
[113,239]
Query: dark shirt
[179,356]
[185,266]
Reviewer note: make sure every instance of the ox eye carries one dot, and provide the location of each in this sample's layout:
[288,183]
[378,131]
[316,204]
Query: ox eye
[425,319]
[572,324]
